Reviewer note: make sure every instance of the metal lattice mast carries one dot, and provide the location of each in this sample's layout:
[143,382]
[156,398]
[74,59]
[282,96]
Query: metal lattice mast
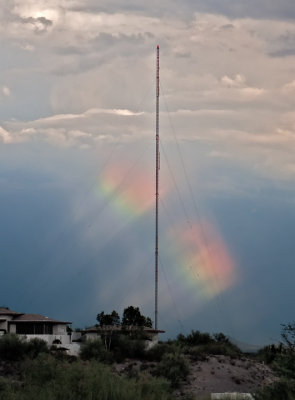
[157,186]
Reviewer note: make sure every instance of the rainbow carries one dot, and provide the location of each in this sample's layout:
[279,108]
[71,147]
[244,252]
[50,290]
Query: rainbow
[130,192]
[198,255]
[202,259]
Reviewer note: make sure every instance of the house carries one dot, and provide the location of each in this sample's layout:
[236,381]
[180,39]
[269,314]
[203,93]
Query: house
[148,335]
[53,332]
[30,326]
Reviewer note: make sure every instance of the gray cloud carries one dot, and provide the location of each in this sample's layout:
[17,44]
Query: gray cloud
[40,24]
[283,53]
[263,9]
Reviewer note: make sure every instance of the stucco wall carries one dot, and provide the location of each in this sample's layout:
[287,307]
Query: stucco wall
[59,330]
[64,339]
[4,324]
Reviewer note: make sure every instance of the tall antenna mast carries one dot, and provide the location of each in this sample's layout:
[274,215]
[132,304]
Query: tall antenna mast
[157,185]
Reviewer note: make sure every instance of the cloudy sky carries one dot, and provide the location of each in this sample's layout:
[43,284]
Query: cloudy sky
[77,130]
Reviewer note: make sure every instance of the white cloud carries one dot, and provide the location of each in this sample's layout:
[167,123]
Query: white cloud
[5,136]
[27,47]
[289,87]
[235,82]
[6,91]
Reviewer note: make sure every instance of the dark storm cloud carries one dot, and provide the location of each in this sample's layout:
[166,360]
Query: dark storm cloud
[40,24]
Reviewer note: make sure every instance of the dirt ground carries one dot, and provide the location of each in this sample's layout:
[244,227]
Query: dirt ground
[217,374]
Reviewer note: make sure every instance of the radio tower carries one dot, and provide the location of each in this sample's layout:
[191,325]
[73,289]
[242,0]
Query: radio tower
[157,186]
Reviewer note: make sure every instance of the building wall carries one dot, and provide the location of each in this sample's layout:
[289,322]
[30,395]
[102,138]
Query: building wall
[4,324]
[153,340]
[91,336]
[76,336]
[59,330]
[49,339]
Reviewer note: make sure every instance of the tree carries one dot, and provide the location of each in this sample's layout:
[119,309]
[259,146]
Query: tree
[132,316]
[112,319]
[283,360]
[288,335]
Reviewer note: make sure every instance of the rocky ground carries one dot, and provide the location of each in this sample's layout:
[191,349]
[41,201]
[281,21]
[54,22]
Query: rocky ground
[218,374]
[215,374]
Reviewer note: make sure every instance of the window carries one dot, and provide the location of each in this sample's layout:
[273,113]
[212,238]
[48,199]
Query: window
[37,328]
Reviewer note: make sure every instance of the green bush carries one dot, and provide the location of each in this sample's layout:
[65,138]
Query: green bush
[95,350]
[195,338]
[281,390]
[46,378]
[35,347]
[121,347]
[174,367]
[41,370]
[268,353]
[283,362]
[200,345]
[12,348]
[284,365]
[226,349]
[157,352]
[125,347]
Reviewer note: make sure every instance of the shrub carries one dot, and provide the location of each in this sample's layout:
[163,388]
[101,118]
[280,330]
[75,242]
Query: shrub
[281,390]
[124,346]
[268,353]
[174,367]
[12,348]
[40,370]
[157,352]
[46,378]
[95,350]
[195,338]
[35,347]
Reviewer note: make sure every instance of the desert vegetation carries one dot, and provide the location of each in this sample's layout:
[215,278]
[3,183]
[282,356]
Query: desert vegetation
[281,358]
[127,370]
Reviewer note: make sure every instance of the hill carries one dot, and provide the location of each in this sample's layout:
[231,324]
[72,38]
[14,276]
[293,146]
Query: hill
[190,367]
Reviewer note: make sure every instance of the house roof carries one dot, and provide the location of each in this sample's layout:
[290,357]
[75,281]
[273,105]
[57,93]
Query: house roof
[6,311]
[36,318]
